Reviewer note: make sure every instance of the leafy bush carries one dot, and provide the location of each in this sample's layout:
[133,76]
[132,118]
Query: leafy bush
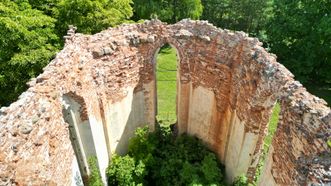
[241,181]
[159,158]
[125,171]
[95,177]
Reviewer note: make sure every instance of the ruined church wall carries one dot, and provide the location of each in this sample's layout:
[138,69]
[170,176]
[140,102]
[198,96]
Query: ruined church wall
[227,87]
[300,154]
[35,144]
[229,101]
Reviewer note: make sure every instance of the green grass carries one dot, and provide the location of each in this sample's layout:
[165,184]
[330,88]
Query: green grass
[272,126]
[166,85]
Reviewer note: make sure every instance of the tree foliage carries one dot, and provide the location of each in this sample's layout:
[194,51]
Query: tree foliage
[91,16]
[47,6]
[300,35]
[250,16]
[297,31]
[31,33]
[27,43]
[169,11]
[161,159]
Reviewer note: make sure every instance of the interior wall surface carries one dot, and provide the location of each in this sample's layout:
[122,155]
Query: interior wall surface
[227,86]
[80,134]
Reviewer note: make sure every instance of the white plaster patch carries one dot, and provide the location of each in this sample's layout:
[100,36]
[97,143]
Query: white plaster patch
[76,179]
[200,115]
[233,148]
[266,177]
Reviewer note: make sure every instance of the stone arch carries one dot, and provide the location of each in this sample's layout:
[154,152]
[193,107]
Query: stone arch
[88,126]
[75,115]
[179,83]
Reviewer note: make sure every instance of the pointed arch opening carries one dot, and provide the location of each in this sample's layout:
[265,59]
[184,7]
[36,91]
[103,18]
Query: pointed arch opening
[166,75]
[265,161]
[75,114]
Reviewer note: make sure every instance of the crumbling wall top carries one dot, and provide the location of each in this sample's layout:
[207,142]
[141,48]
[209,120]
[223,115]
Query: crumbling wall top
[34,143]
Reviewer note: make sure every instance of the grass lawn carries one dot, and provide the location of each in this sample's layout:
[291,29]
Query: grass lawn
[166,85]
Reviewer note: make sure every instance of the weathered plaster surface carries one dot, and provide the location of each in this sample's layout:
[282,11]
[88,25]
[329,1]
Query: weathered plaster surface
[227,87]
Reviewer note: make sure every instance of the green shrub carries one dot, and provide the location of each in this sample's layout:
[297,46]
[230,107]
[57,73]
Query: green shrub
[158,158]
[241,181]
[124,171]
[95,177]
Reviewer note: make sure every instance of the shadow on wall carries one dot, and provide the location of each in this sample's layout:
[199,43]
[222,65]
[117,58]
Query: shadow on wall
[266,158]
[80,133]
[125,116]
[138,108]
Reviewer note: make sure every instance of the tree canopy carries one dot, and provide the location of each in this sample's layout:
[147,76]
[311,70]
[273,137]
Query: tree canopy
[250,16]
[300,35]
[91,16]
[297,31]
[27,41]
[47,6]
[169,11]
[31,33]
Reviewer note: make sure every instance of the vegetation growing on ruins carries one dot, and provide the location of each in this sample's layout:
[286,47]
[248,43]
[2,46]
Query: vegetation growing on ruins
[272,126]
[95,177]
[159,158]
[241,181]
[298,32]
